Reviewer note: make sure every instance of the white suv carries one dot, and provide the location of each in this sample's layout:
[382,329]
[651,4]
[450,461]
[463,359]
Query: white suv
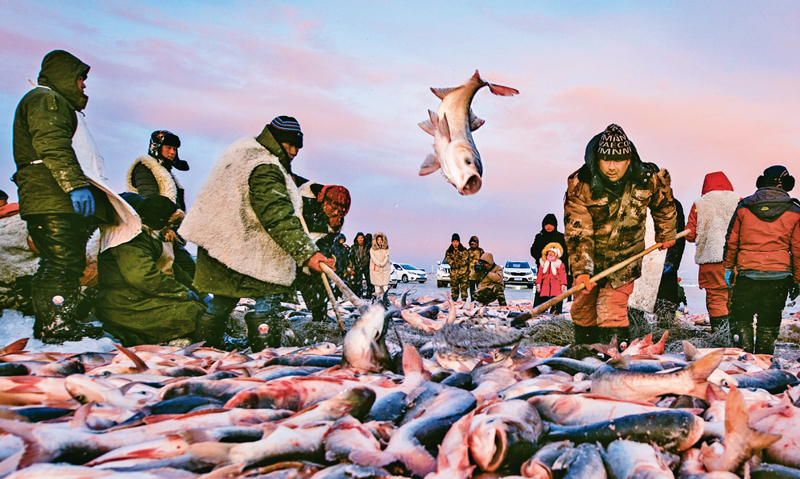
[519,272]
[443,274]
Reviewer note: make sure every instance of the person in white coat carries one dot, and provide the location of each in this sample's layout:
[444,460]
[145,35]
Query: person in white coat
[380,268]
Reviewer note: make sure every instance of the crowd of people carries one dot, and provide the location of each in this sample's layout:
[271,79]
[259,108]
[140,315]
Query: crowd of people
[264,232]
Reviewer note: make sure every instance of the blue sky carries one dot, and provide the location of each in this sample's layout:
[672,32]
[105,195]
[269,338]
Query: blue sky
[698,87]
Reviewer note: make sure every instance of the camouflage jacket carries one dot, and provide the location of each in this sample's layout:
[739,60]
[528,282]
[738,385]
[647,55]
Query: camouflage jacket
[458,259]
[474,256]
[603,228]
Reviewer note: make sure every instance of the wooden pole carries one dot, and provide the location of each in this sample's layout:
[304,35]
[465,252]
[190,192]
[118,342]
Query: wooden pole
[333,300]
[547,305]
[349,294]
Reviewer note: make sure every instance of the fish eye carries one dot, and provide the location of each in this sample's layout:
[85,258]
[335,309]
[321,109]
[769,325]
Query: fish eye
[80,398]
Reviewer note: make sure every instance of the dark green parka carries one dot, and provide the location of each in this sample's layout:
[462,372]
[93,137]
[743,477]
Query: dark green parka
[138,302]
[44,124]
[271,203]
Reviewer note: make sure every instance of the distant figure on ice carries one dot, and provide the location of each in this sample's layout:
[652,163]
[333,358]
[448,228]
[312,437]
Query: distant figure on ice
[246,223]
[551,280]
[475,252]
[324,209]
[550,234]
[762,254]
[342,253]
[490,283]
[55,197]
[380,266]
[605,209]
[458,259]
[359,259]
[145,297]
[151,175]
[708,223]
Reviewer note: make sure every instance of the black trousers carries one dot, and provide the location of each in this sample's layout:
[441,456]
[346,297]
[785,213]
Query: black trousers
[61,241]
[763,297]
[314,294]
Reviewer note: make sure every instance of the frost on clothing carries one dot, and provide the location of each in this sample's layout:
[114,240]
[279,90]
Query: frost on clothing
[246,222]
[147,177]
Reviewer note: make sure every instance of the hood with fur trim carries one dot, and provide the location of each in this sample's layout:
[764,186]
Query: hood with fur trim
[375,241]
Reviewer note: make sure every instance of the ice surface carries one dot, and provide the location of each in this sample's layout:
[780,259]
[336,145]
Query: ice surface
[14,326]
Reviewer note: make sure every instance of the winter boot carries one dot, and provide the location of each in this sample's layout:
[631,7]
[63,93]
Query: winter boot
[622,334]
[56,311]
[717,322]
[765,339]
[586,334]
[210,328]
[264,330]
[743,336]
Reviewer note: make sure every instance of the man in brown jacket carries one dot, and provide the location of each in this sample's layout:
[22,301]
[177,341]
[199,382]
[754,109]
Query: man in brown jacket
[605,209]
[763,251]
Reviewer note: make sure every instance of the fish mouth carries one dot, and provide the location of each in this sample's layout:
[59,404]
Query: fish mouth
[472,186]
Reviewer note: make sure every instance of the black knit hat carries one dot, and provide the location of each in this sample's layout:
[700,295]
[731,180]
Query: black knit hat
[614,144]
[550,219]
[776,176]
[3,195]
[156,210]
[455,237]
[286,129]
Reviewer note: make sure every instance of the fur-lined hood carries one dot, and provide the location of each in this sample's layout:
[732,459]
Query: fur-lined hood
[375,241]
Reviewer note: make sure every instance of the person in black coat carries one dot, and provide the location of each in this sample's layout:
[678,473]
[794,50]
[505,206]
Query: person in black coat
[548,235]
[670,294]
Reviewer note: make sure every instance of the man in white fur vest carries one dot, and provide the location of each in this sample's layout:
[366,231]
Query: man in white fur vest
[151,175]
[246,223]
[708,222]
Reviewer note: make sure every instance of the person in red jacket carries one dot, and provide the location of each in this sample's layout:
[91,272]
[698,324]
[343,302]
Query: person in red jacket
[763,251]
[708,222]
[552,277]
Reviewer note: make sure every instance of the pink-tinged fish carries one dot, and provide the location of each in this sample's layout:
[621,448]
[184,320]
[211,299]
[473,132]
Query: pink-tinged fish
[506,432]
[741,440]
[451,127]
[453,459]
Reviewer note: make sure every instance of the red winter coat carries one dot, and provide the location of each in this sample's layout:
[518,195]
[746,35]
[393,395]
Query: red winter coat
[765,234]
[551,283]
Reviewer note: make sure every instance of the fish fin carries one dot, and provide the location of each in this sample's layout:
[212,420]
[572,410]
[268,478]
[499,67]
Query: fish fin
[363,457]
[502,90]
[15,347]
[443,128]
[703,367]
[689,351]
[189,349]
[442,92]
[140,365]
[622,362]
[430,165]
[412,361]
[427,127]
[474,121]
[125,388]
[79,417]
[715,393]
[34,451]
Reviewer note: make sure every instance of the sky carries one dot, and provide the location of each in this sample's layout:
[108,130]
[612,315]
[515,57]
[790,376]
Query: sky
[697,86]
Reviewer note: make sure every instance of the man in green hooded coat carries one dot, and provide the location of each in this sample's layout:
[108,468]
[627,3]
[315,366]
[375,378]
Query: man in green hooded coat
[247,225]
[54,194]
[145,297]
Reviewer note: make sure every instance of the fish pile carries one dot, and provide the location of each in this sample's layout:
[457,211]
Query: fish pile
[356,411]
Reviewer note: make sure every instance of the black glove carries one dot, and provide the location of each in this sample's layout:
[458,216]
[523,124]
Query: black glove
[794,291]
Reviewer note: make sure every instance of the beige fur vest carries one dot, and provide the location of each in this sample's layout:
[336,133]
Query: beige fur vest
[714,212]
[223,223]
[167,183]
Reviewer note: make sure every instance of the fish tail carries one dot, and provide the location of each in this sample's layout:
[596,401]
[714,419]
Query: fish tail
[412,361]
[702,368]
[35,451]
[502,90]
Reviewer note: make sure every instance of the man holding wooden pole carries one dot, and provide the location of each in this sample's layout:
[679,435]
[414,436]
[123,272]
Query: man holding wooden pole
[605,209]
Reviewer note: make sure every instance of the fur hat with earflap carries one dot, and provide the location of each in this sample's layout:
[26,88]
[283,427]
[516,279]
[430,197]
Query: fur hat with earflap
[555,247]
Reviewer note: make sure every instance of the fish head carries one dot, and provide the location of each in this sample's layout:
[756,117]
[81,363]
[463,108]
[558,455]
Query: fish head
[364,346]
[488,442]
[86,389]
[356,401]
[462,166]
